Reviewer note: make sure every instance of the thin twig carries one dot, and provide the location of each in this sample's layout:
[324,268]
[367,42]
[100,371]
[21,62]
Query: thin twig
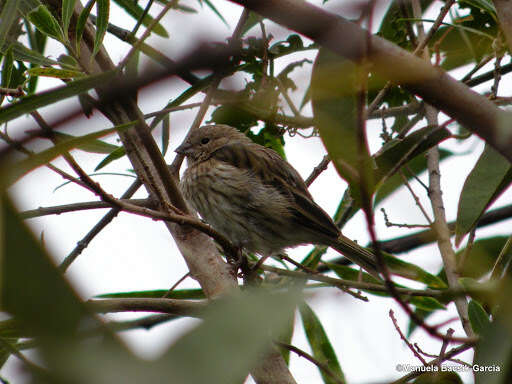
[175,285]
[321,365]
[100,225]
[235,39]
[449,333]
[416,198]
[400,225]
[147,32]
[322,166]
[453,352]
[74,207]
[402,336]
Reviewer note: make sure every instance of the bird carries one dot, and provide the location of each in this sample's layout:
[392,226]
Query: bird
[255,198]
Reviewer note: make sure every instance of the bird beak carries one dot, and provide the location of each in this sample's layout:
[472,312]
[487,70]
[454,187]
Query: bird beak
[184,149]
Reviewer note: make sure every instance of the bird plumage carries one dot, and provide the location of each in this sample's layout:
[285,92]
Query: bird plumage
[255,198]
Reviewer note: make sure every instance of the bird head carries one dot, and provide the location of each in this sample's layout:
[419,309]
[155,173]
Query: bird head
[202,142]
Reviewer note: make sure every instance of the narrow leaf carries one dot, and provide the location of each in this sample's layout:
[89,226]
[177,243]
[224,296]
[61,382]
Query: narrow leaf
[22,53]
[55,72]
[320,345]
[10,173]
[92,146]
[102,12]
[216,11]
[42,99]
[68,7]
[425,303]
[6,71]
[166,124]
[133,9]
[43,19]
[114,155]
[82,20]
[478,317]
[7,16]
[188,294]
[491,175]
[413,272]
[212,353]
[334,89]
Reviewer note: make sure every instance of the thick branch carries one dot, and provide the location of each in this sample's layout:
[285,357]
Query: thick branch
[434,85]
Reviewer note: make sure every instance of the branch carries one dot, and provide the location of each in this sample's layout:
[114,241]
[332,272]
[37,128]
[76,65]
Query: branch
[67,208]
[190,308]
[453,352]
[435,86]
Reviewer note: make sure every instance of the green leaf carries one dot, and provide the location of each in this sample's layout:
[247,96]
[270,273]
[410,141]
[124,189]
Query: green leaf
[102,15]
[484,5]
[216,11]
[82,21]
[68,7]
[401,151]
[252,20]
[134,10]
[7,67]
[334,89]
[55,72]
[482,257]
[73,88]
[114,155]
[212,353]
[10,173]
[347,273]
[417,165]
[187,94]
[45,307]
[491,175]
[166,124]
[320,345]
[7,16]
[22,53]
[92,146]
[44,21]
[494,348]
[478,317]
[412,272]
[186,294]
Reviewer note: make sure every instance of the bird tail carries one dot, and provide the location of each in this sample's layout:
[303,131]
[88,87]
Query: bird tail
[357,254]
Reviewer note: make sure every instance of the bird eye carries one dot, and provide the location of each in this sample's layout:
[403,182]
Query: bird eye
[205,140]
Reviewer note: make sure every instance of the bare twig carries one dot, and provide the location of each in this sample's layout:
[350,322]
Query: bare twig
[74,207]
[402,336]
[175,285]
[322,166]
[105,220]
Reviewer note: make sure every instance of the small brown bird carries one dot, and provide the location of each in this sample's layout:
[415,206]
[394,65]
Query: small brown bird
[255,198]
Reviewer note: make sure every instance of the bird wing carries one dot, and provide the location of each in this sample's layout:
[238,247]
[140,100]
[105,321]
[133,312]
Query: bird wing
[273,170]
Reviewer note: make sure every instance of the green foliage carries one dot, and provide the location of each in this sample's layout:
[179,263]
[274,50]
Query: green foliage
[320,345]
[489,178]
[238,329]
[71,89]
[136,11]
[102,15]
[45,22]
[335,84]
[478,317]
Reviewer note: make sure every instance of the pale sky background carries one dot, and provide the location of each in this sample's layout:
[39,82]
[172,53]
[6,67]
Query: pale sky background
[135,253]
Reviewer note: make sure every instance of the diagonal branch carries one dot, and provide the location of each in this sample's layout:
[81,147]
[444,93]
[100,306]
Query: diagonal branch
[434,85]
